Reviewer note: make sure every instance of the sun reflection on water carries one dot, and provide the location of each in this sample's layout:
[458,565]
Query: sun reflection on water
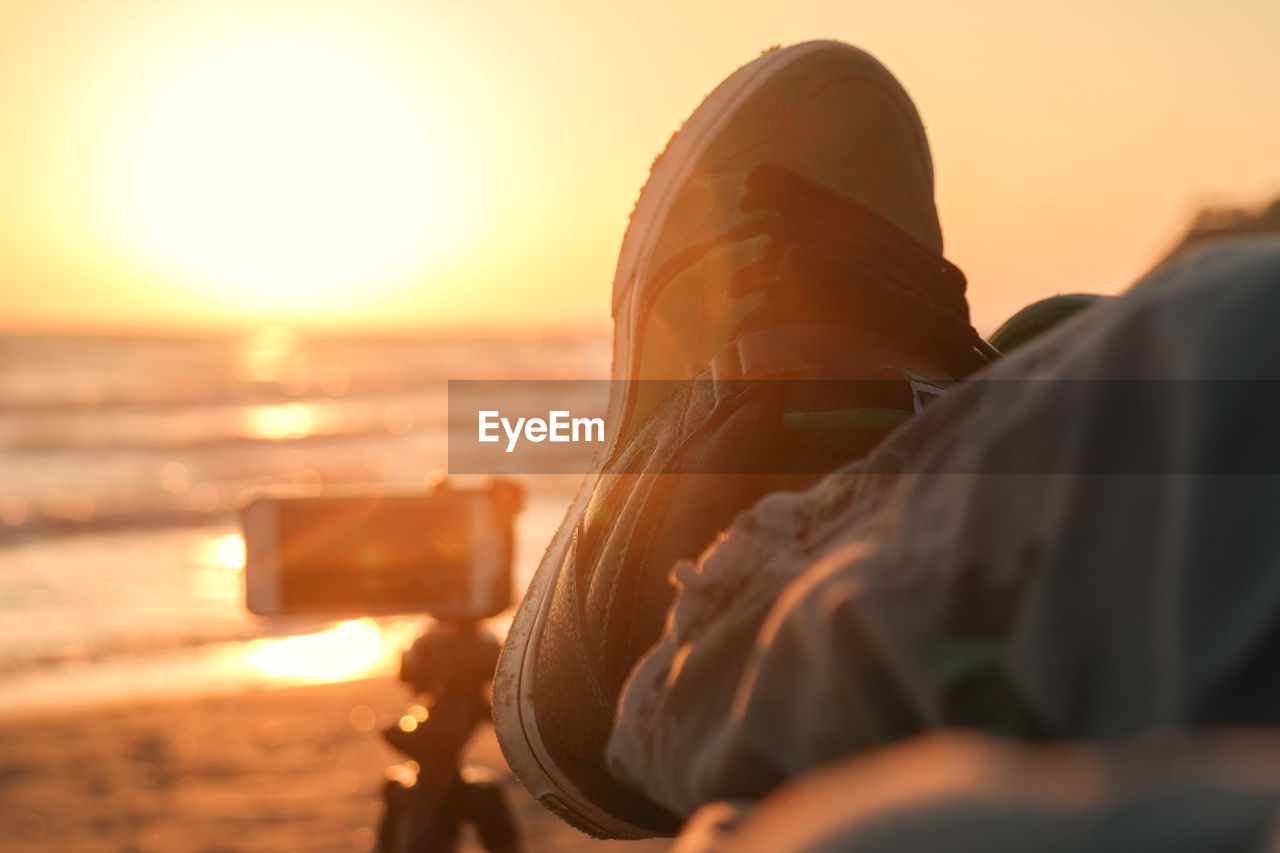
[347,650]
[217,567]
[291,420]
[229,551]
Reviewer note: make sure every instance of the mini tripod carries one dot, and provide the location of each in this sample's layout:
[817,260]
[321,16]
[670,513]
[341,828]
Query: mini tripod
[425,808]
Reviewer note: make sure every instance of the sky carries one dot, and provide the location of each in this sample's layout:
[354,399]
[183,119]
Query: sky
[384,165]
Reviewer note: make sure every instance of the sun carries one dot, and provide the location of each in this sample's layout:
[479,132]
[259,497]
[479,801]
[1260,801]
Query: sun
[285,172]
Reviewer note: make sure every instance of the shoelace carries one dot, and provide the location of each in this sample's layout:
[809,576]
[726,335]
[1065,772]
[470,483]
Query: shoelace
[834,258]
[830,258]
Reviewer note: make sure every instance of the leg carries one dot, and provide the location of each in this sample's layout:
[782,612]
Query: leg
[1033,602]
[788,231]
[956,792]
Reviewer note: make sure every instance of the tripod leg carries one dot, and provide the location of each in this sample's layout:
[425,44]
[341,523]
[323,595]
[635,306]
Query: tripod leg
[392,809]
[485,808]
[420,819]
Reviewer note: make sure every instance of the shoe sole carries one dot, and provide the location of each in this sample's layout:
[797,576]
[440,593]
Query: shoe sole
[513,710]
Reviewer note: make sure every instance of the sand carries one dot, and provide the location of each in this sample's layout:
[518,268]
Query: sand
[286,769]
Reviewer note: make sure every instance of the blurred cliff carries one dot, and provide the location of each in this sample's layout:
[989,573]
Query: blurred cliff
[1224,223]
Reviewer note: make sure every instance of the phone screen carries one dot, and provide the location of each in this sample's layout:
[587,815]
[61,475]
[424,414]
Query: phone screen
[375,552]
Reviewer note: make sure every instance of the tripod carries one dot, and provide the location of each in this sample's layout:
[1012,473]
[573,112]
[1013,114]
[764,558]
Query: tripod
[424,809]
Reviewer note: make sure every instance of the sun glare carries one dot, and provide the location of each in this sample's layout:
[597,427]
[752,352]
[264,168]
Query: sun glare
[285,171]
[345,651]
[230,551]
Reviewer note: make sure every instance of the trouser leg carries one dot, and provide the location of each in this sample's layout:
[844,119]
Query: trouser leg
[955,792]
[1102,557]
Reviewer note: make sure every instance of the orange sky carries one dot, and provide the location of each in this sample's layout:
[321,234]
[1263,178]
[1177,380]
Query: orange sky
[206,163]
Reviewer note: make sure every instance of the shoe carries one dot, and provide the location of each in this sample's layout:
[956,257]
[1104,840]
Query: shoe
[788,231]
[1039,317]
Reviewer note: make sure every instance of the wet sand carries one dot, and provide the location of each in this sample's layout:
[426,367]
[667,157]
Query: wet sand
[279,770]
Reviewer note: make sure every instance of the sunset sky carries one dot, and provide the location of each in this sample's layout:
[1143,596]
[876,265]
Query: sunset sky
[382,164]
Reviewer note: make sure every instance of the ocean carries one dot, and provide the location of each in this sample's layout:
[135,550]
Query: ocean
[124,460]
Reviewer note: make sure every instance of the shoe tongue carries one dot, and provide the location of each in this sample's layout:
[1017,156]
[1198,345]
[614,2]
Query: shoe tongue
[774,187]
[835,261]
[771,186]
[823,215]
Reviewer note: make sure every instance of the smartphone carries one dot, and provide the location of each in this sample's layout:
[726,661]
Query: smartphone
[446,553]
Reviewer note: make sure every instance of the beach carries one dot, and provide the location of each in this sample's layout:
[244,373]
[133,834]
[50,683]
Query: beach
[142,707]
[281,769]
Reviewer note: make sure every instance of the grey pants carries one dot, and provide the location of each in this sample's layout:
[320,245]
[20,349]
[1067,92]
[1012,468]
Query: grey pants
[957,792]
[1084,543]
